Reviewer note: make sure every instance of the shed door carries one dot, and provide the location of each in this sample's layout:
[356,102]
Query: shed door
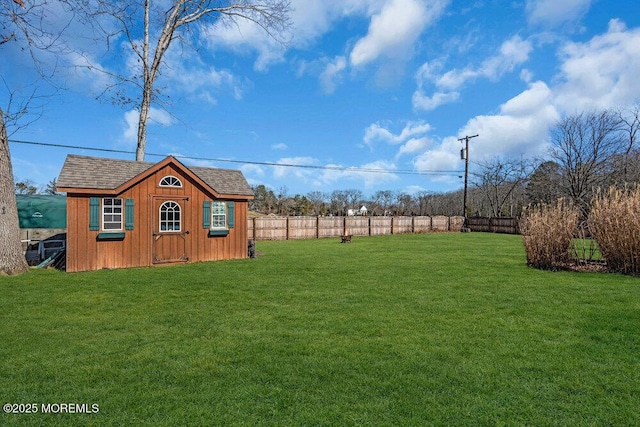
[169,231]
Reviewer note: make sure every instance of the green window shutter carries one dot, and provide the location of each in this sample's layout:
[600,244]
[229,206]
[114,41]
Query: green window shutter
[206,214]
[94,213]
[230,214]
[128,211]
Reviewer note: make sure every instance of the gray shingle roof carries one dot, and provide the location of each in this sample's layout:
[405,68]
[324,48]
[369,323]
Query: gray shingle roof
[107,174]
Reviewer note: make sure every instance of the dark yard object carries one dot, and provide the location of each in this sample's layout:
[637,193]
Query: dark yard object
[252,248]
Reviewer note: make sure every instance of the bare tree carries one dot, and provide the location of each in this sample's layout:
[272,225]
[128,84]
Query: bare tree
[317,200]
[384,200]
[338,200]
[150,28]
[582,145]
[12,260]
[404,204]
[626,167]
[544,184]
[353,198]
[498,179]
[283,202]
[445,203]
[25,26]
[422,200]
[26,188]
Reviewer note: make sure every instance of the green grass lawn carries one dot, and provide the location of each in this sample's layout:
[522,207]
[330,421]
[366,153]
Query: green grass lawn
[586,250]
[435,329]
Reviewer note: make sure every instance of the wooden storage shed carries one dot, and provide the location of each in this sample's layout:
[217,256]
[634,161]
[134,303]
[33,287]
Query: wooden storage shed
[123,213]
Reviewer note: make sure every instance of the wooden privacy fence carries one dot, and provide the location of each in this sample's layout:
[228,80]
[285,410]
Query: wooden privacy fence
[494,225]
[311,227]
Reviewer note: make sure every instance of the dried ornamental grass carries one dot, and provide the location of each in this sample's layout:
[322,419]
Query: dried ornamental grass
[547,231]
[615,223]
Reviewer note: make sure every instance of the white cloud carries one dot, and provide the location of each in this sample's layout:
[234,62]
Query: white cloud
[454,79]
[602,72]
[444,157]
[427,103]
[313,18]
[552,13]
[280,172]
[245,36]
[394,29]
[512,53]
[310,19]
[519,129]
[526,75]
[356,176]
[376,132]
[190,75]
[412,139]
[131,118]
[412,146]
[323,176]
[86,76]
[280,146]
[160,117]
[156,116]
[252,169]
[332,73]
[599,73]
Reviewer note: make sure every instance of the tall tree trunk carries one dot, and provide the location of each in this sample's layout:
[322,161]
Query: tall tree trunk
[147,88]
[142,126]
[12,259]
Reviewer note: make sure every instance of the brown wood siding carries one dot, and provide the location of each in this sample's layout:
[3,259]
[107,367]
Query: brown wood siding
[86,252]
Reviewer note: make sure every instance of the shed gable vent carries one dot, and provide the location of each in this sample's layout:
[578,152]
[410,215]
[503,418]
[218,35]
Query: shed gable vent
[170,181]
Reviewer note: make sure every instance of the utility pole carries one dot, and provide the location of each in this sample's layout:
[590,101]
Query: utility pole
[464,154]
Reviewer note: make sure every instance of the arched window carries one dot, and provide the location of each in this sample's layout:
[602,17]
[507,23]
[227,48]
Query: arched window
[170,219]
[170,181]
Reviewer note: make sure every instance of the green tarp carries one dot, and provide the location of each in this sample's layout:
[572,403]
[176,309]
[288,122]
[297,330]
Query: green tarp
[42,211]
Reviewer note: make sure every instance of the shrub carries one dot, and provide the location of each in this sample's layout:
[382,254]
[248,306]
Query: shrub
[548,231]
[615,223]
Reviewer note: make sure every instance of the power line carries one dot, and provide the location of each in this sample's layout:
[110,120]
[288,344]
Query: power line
[250,162]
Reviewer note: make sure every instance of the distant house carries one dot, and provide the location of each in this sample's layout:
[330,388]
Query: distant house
[123,213]
[362,211]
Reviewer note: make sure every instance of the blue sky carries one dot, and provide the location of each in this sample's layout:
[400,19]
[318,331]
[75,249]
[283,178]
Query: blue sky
[363,84]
